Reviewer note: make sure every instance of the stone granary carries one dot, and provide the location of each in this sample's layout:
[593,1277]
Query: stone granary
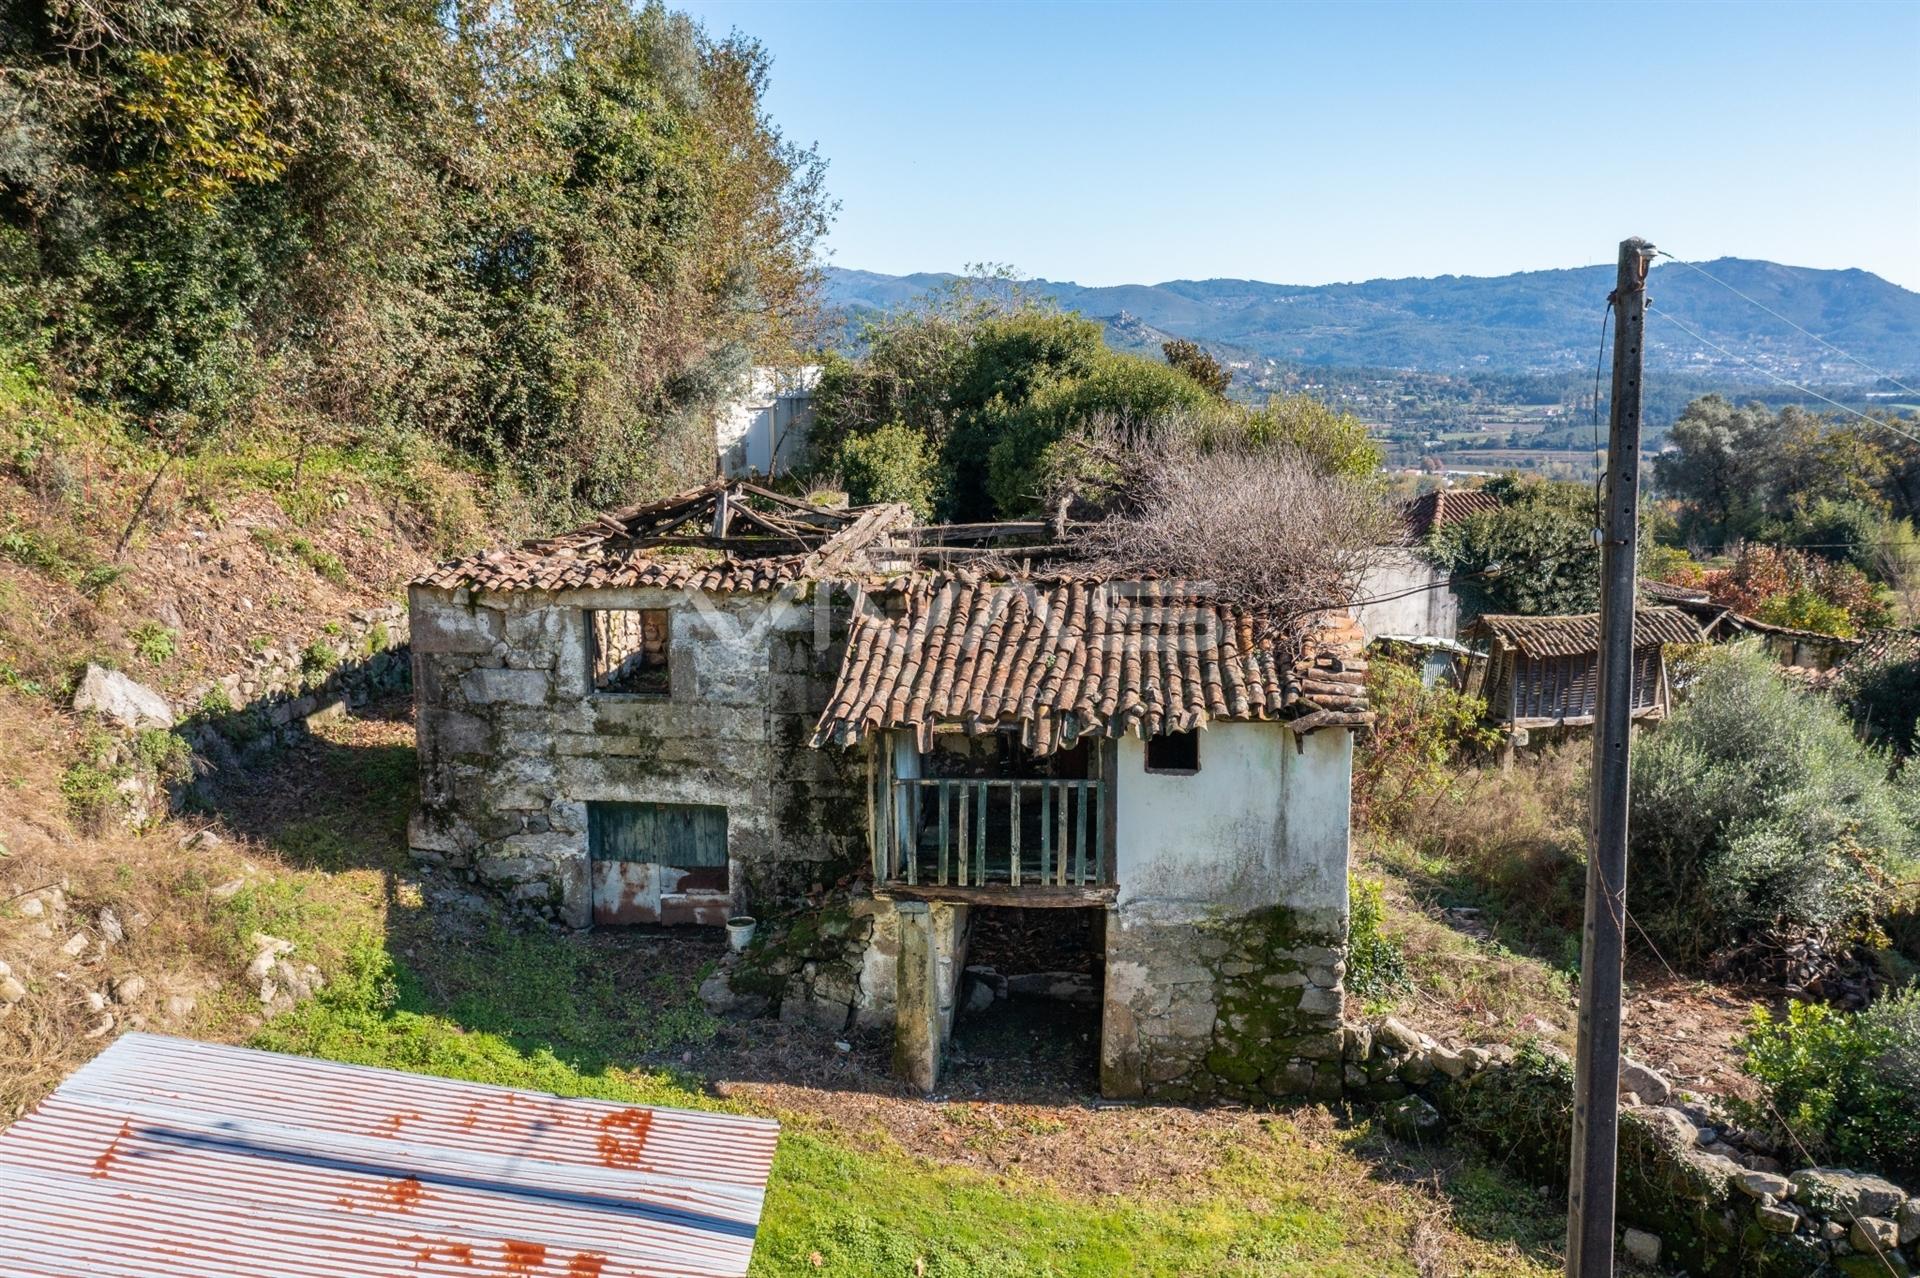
[619,727]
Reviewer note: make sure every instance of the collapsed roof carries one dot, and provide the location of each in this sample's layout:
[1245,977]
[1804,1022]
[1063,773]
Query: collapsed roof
[726,536]
[1066,657]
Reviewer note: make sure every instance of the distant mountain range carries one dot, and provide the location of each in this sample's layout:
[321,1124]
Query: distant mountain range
[1531,322]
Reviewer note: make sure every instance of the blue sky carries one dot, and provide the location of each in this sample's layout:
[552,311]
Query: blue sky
[1308,143]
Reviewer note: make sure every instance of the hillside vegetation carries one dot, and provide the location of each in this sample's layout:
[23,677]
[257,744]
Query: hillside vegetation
[1532,321]
[547,235]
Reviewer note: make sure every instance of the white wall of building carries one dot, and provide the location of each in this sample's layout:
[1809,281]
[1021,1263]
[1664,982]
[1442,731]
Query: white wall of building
[764,428]
[1263,822]
[1413,602]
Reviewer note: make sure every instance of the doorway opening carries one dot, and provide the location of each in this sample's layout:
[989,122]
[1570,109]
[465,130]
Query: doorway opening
[1028,1017]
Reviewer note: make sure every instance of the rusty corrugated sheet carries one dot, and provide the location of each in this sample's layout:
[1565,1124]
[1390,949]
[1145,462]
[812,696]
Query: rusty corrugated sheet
[190,1160]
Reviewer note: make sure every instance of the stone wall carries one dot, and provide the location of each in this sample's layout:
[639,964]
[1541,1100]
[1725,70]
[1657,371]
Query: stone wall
[1696,1192]
[514,744]
[285,688]
[1202,1005]
[1226,943]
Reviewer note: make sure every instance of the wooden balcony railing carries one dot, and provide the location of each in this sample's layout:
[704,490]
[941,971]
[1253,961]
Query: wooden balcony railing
[981,833]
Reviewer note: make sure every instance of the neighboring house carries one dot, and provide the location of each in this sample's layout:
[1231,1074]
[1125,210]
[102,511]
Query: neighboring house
[763,429]
[1806,650]
[1543,672]
[723,701]
[1407,594]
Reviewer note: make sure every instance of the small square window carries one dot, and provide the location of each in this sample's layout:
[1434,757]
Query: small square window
[1176,752]
[631,650]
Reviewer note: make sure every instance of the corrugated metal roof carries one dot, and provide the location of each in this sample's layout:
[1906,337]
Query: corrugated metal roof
[169,1157]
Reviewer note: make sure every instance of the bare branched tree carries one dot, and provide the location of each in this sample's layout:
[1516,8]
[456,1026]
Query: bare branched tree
[1259,520]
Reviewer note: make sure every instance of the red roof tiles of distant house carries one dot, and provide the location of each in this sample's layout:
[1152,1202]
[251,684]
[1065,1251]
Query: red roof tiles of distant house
[1430,512]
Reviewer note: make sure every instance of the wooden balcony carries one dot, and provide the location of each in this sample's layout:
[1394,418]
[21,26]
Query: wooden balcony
[1027,842]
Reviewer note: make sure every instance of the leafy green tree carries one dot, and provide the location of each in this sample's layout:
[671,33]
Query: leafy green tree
[550,233]
[1339,441]
[1540,539]
[1124,391]
[889,464]
[1722,461]
[1203,368]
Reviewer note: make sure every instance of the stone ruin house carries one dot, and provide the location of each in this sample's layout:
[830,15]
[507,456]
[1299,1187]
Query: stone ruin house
[722,702]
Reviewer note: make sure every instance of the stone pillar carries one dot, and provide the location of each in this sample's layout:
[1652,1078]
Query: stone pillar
[917,1037]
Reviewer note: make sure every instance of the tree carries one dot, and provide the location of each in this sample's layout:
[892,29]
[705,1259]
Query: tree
[1203,368]
[550,233]
[1261,521]
[1722,461]
[889,464]
[1540,539]
[1799,589]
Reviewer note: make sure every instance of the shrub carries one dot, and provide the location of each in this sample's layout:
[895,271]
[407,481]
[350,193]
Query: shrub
[319,658]
[165,754]
[1802,609]
[1844,1085]
[1376,965]
[153,642]
[1541,536]
[1759,823]
[91,792]
[889,464]
[1881,691]
[1418,734]
[215,702]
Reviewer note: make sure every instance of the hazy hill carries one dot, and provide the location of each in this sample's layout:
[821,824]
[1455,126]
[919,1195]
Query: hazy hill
[1534,321]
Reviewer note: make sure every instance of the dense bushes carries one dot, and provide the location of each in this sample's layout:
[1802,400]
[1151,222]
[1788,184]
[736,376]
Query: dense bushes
[1846,1086]
[1541,538]
[889,464]
[1760,824]
[549,233]
[1002,387]
[1419,735]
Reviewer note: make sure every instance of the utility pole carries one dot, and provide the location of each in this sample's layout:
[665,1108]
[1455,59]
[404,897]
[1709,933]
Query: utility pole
[1596,1094]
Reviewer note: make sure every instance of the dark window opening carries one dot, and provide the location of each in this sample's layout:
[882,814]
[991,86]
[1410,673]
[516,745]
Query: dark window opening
[631,650]
[1174,752]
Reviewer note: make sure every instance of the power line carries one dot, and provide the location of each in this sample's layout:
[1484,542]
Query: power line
[1791,385]
[1790,324]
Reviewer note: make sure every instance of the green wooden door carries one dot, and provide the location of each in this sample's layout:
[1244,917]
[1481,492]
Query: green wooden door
[685,835]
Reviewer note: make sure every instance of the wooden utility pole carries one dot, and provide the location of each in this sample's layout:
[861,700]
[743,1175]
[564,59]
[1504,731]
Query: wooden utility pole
[1596,1096]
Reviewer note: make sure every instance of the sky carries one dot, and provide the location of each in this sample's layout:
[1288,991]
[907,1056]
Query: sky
[1306,143]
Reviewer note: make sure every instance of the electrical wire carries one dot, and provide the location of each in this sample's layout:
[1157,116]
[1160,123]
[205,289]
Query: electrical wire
[1791,385]
[1789,323]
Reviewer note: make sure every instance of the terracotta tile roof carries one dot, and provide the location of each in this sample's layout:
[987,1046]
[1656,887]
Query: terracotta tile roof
[1065,657]
[1667,593]
[728,536]
[1430,512]
[1573,636]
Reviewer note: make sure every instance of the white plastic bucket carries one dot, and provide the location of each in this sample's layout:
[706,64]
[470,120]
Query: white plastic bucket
[740,932]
